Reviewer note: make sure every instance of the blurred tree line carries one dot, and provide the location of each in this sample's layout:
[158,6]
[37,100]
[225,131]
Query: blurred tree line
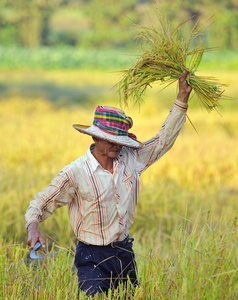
[107,23]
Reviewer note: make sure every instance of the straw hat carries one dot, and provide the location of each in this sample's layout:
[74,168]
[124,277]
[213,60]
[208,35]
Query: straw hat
[111,124]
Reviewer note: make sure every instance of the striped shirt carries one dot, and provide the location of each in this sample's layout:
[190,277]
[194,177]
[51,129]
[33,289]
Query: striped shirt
[102,205]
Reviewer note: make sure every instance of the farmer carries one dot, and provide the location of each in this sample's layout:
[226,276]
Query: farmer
[101,190]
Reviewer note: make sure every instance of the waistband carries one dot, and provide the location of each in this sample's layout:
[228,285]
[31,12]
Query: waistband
[126,241]
[114,244]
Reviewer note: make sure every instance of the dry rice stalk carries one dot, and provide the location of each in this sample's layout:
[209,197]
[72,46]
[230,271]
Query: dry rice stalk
[165,54]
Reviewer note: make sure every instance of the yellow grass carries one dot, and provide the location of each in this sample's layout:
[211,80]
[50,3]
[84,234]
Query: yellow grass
[197,177]
[37,140]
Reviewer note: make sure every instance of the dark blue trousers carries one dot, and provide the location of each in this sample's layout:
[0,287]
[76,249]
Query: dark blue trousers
[103,267]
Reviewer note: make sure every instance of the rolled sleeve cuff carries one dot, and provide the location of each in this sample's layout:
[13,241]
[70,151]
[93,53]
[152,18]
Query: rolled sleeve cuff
[31,216]
[182,106]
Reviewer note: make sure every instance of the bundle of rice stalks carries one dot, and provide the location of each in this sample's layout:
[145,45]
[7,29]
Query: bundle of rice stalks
[165,54]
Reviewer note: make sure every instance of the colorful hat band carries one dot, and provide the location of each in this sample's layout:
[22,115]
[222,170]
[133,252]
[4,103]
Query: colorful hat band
[112,122]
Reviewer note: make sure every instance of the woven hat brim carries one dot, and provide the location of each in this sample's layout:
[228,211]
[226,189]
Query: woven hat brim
[117,139]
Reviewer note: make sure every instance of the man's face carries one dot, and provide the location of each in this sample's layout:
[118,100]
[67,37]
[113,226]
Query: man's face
[108,149]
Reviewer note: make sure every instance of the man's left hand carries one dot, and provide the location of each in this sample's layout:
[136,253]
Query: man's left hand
[184,88]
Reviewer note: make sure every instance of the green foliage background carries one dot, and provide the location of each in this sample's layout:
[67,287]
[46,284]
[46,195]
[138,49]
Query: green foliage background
[104,23]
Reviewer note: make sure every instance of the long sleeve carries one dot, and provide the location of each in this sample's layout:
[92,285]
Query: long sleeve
[157,146]
[59,193]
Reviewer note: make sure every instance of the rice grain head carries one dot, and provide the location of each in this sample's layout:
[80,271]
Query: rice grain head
[165,54]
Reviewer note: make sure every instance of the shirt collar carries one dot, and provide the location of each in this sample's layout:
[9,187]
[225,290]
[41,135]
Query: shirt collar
[93,161]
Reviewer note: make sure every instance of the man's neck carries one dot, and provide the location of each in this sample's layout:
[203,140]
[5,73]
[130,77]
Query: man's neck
[105,162]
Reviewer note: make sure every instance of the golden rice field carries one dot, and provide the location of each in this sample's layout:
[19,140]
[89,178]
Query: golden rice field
[186,221]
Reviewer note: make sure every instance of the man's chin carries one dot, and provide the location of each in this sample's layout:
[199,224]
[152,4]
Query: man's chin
[114,154]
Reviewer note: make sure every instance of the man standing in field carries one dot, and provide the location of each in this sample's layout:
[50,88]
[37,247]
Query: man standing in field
[101,190]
